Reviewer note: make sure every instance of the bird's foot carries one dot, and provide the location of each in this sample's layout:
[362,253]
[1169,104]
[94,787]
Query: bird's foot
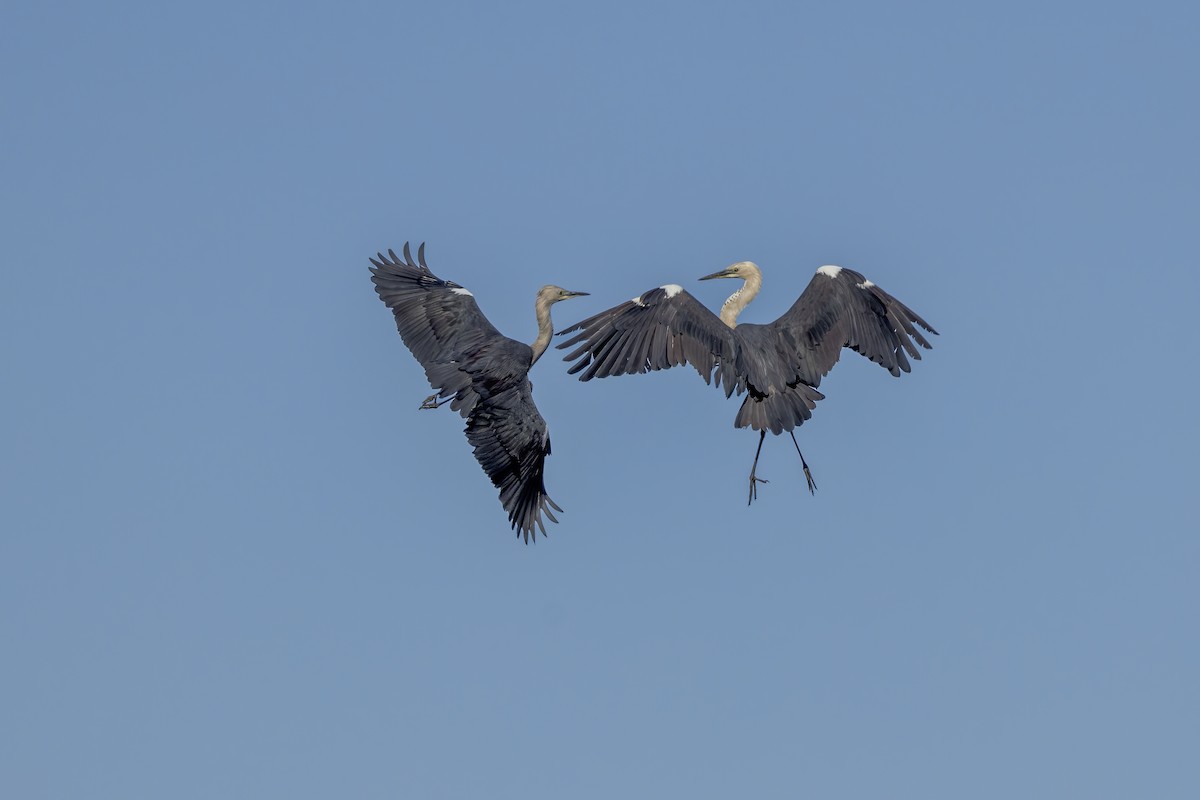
[754,487]
[432,401]
[812,485]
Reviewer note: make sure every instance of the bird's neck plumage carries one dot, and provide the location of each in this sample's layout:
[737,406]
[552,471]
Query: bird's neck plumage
[545,329]
[741,298]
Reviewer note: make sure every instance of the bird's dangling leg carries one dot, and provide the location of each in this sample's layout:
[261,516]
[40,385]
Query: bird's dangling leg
[755,480]
[812,485]
[432,401]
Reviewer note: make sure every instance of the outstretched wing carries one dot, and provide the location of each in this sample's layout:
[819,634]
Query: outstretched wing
[841,308]
[511,443]
[663,328]
[438,320]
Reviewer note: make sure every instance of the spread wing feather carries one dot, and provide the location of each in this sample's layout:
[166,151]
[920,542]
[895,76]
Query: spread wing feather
[439,321]
[847,310]
[511,443]
[657,330]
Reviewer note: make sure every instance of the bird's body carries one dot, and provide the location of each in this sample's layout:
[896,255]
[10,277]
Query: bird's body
[483,374]
[778,365]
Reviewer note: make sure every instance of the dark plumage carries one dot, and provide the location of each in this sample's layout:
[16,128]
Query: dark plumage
[779,366]
[483,374]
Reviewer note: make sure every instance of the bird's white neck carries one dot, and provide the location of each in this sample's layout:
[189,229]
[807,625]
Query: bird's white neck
[741,298]
[545,329]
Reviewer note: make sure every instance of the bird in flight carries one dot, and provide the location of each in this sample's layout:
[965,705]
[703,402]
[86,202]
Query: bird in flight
[483,374]
[779,365]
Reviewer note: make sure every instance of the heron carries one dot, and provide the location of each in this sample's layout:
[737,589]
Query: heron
[482,374]
[779,366]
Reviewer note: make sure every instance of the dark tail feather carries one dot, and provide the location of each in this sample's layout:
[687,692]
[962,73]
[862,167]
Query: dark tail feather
[779,411]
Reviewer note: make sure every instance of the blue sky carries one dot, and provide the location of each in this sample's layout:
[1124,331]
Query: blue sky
[236,561]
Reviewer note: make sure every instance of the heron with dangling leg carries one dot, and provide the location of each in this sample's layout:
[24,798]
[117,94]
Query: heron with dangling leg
[778,365]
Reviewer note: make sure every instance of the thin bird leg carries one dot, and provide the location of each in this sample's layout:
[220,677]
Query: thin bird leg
[812,485]
[432,401]
[753,480]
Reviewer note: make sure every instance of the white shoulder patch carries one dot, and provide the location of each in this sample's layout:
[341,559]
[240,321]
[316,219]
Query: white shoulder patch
[866,284]
[637,301]
[461,290]
[671,289]
[829,270]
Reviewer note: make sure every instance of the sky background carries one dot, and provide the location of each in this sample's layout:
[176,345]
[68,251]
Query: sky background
[237,561]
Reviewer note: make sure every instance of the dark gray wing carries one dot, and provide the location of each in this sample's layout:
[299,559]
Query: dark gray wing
[663,328]
[511,444]
[438,320]
[841,308]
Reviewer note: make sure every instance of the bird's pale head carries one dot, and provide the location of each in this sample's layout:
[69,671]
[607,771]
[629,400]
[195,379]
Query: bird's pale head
[742,269]
[552,294]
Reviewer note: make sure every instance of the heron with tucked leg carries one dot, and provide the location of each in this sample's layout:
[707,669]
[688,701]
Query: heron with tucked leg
[779,366]
[483,374]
